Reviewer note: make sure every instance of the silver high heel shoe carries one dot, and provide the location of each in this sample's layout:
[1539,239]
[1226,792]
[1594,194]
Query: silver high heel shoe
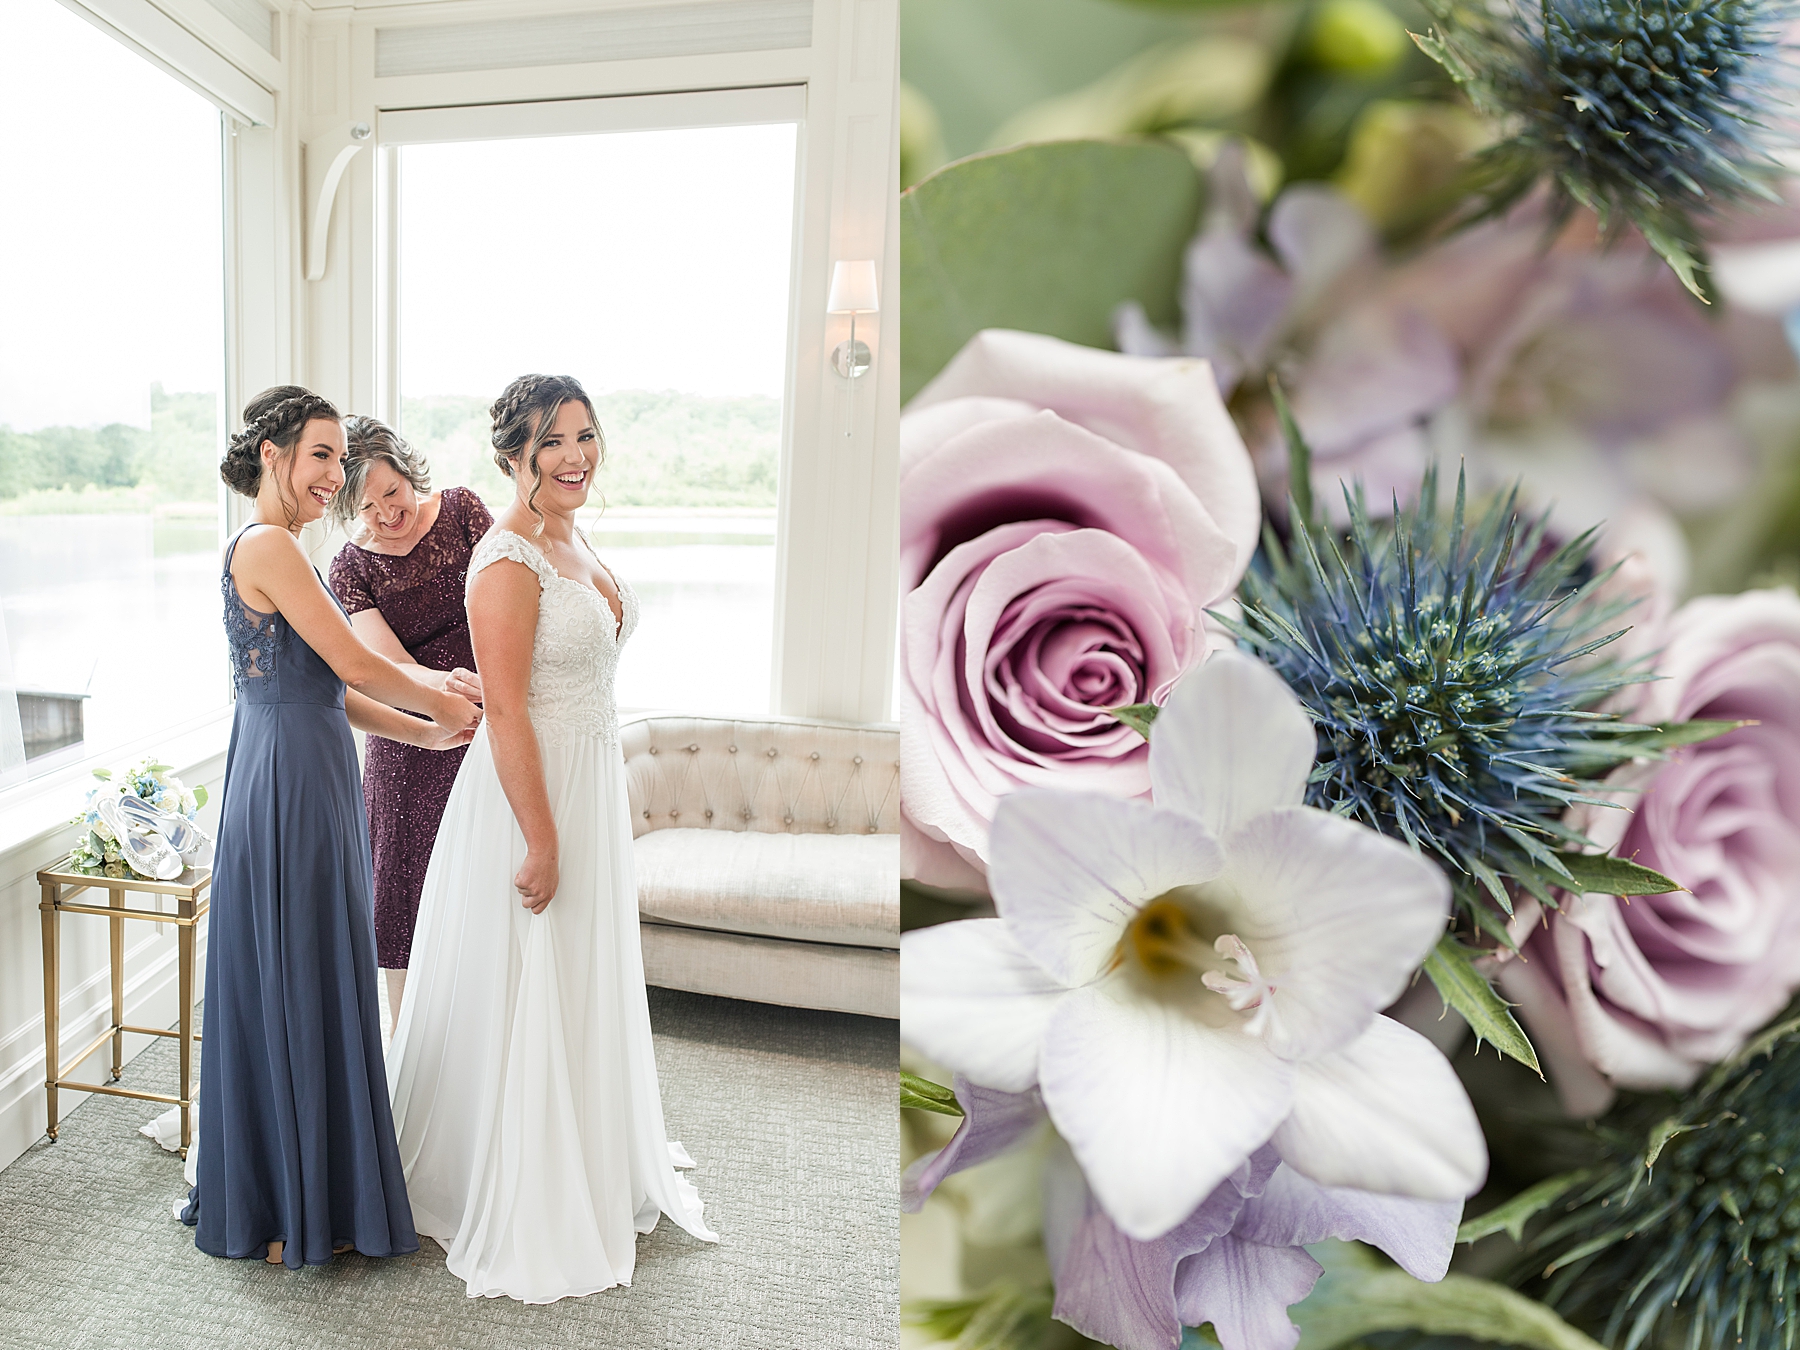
[148,854]
[181,834]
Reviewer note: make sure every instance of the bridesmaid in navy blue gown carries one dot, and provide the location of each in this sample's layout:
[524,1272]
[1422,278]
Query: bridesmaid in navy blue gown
[297,1155]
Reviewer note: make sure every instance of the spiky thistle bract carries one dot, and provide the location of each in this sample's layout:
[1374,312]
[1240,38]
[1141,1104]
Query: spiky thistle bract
[1655,113]
[1689,1234]
[1453,666]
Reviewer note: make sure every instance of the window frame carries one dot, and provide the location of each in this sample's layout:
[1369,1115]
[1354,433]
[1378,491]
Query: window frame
[44,799]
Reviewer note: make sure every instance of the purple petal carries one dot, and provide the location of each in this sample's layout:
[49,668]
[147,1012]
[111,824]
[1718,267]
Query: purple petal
[1293,1211]
[1245,1289]
[1109,1286]
[992,1123]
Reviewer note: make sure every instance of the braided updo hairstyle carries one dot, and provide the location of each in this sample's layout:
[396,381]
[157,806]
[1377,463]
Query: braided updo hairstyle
[523,417]
[279,415]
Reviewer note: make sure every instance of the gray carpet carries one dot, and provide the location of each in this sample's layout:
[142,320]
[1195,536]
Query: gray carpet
[790,1115]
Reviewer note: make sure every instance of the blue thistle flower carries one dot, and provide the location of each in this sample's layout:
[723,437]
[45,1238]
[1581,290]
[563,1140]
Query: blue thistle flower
[1689,1230]
[1649,112]
[1452,669]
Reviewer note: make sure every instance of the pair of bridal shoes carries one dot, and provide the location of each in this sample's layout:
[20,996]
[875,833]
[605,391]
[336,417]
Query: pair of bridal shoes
[155,843]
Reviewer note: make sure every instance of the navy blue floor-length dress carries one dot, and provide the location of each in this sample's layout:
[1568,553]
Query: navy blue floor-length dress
[296,1133]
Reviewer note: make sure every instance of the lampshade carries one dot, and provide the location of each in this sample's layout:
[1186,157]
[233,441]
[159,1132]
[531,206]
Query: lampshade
[852,288]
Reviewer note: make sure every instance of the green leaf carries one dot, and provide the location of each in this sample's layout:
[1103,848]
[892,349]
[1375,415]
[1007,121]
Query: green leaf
[1137,716]
[1299,455]
[1006,1317]
[1358,1295]
[1603,874]
[1048,238]
[1674,252]
[200,795]
[1661,1135]
[160,768]
[1464,988]
[1512,1216]
[1603,753]
[921,1094]
[103,774]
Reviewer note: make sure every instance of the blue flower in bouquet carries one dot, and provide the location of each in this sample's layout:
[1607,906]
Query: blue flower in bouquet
[1655,113]
[1453,670]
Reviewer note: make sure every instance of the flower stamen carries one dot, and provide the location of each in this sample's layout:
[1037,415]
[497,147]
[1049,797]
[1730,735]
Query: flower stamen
[1252,990]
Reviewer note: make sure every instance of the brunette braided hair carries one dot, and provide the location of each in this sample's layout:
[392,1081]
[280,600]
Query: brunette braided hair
[279,415]
[523,416]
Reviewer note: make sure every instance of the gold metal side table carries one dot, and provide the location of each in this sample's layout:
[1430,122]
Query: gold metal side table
[61,884]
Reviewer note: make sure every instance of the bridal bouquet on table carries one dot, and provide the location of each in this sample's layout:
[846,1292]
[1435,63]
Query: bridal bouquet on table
[141,822]
[1350,892]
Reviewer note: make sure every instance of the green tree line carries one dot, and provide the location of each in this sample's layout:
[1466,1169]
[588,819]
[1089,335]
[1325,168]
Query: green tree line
[177,455]
[663,448]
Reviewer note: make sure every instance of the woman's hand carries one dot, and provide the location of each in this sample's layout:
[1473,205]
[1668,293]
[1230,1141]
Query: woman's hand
[537,879]
[456,713]
[463,683]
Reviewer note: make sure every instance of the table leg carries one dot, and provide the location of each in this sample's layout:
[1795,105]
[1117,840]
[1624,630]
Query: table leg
[116,899]
[52,1000]
[184,984]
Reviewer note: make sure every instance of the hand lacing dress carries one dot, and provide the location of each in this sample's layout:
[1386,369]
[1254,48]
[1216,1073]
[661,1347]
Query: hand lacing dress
[524,1082]
[296,1138]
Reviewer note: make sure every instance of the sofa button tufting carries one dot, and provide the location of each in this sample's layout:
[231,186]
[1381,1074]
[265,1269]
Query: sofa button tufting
[771,752]
[746,813]
[709,815]
[692,749]
[814,755]
[653,749]
[732,749]
[674,815]
[830,823]
[856,760]
[789,820]
[646,815]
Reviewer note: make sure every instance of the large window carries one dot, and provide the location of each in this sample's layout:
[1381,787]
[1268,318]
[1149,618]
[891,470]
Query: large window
[111,366]
[653,265]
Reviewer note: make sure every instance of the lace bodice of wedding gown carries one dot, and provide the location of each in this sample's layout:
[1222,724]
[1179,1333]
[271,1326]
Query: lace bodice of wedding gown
[575,654]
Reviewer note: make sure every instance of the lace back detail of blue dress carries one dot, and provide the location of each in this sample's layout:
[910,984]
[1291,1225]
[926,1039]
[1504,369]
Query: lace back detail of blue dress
[255,639]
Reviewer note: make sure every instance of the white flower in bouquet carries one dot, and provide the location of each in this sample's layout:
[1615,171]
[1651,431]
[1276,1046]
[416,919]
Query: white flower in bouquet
[1188,981]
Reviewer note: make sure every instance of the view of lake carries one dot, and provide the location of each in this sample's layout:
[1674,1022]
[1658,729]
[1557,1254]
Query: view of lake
[126,608]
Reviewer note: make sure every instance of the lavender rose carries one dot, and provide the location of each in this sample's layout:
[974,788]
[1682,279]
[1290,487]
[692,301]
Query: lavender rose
[1647,993]
[1066,516]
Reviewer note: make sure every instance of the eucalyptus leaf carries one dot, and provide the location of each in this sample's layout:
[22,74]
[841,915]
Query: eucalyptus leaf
[1047,238]
[1359,1295]
[1137,716]
[1511,1217]
[200,795]
[1464,988]
[1602,874]
[921,1094]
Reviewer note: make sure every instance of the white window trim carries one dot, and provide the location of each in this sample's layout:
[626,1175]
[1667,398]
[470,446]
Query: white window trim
[154,35]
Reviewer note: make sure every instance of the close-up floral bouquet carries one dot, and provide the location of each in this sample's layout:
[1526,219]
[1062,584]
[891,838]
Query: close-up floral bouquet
[1350,689]
[99,851]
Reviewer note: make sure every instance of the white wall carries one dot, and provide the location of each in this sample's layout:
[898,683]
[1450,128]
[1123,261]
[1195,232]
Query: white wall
[303,89]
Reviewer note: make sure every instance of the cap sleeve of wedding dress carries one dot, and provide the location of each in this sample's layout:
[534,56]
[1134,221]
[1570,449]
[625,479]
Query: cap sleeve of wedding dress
[522,1070]
[497,544]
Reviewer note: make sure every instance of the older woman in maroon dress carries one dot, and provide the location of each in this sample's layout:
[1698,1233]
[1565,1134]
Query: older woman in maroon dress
[401,578]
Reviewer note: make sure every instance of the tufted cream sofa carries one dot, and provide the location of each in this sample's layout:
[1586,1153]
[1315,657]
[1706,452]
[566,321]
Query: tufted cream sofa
[768,858]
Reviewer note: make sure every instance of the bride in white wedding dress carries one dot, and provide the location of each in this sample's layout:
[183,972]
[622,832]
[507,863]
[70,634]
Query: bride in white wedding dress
[523,1081]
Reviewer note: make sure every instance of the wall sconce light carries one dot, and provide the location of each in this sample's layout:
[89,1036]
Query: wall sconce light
[852,293]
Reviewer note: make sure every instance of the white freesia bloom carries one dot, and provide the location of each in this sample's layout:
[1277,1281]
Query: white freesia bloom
[1187,981]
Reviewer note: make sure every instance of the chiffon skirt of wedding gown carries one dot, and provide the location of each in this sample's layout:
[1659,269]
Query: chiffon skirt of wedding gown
[521,1070]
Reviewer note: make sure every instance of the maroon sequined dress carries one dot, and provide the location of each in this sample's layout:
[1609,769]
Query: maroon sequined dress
[421,597]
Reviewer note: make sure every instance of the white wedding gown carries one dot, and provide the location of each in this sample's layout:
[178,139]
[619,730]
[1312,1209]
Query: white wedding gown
[521,1070]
